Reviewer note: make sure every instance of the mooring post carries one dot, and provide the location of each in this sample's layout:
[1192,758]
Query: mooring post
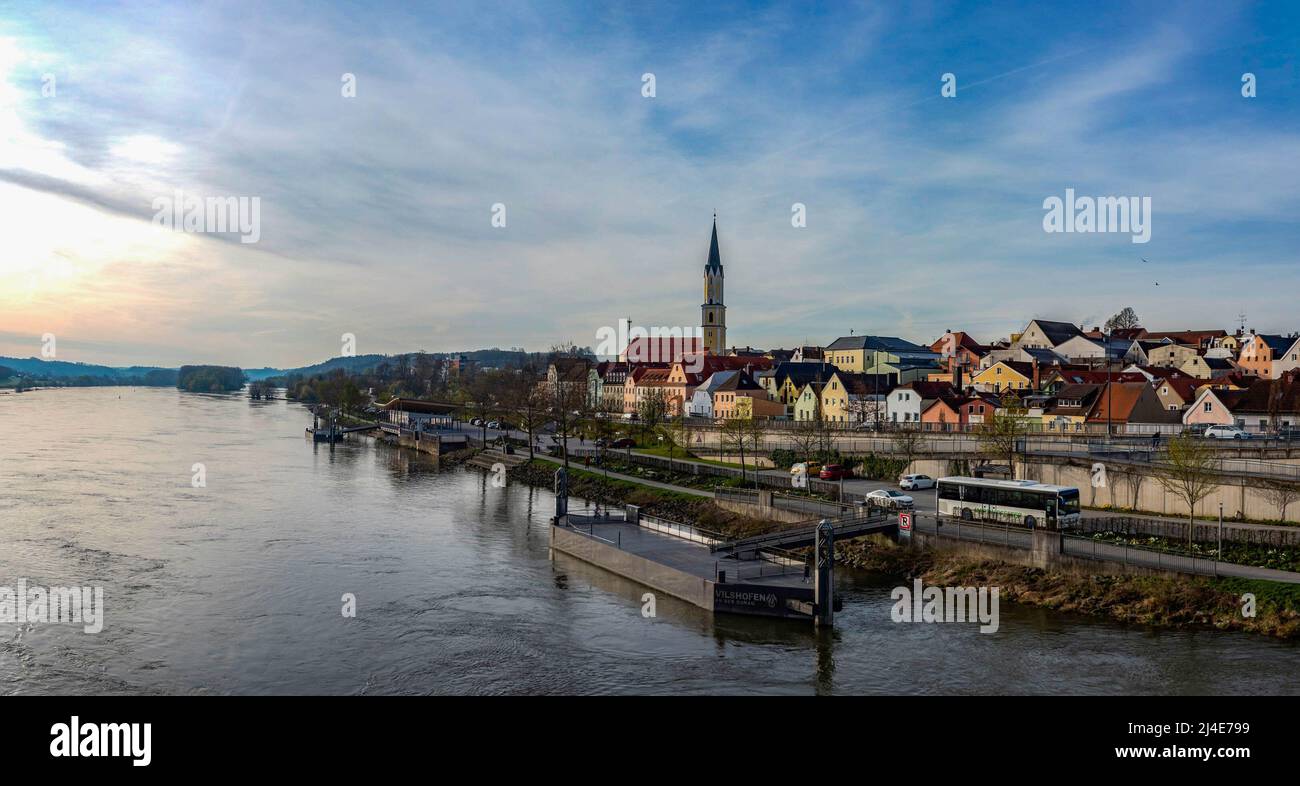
[823,583]
[561,495]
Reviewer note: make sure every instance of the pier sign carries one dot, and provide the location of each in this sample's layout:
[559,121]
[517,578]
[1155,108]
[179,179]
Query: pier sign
[767,600]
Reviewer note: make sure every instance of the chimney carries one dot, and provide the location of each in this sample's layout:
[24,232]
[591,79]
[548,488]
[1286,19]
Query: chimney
[1035,383]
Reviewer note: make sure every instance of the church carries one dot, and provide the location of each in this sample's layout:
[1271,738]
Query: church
[670,346]
[713,313]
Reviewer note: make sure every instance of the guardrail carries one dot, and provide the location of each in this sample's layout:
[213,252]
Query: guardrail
[1012,536]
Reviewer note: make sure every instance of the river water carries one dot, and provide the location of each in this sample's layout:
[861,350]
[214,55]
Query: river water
[236,586]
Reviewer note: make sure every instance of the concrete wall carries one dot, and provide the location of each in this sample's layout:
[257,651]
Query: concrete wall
[669,581]
[1045,555]
[1126,488]
[763,512]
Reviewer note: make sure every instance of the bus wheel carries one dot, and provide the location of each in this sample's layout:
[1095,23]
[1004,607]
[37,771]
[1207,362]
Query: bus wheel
[966,515]
[1029,522]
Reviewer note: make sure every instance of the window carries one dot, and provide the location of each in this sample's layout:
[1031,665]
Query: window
[1208,408]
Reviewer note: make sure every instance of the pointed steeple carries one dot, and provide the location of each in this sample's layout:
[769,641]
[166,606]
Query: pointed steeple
[714,264]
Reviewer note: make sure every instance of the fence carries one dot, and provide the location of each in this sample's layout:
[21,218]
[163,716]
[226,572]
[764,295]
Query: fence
[1012,536]
[1133,526]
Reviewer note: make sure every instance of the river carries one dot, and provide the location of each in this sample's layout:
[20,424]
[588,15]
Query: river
[236,586]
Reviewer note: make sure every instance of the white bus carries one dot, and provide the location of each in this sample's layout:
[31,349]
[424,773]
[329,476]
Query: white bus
[1026,502]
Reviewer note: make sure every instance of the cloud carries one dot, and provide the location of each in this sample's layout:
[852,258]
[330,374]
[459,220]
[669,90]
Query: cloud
[923,213]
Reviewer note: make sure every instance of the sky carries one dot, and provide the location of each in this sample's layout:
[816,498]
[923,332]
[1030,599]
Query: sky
[924,213]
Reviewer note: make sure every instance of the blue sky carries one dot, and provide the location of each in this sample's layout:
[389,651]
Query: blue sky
[923,213]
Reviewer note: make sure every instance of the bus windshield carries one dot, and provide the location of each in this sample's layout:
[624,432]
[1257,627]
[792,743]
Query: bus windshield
[1069,502]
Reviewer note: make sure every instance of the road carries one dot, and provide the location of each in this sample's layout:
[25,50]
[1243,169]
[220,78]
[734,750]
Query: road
[925,501]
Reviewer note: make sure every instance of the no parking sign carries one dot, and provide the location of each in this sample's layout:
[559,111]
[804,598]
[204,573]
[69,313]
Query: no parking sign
[905,524]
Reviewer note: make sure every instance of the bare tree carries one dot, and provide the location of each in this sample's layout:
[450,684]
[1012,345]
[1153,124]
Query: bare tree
[755,431]
[1281,494]
[482,393]
[527,404]
[1127,318]
[803,434]
[652,410]
[741,433]
[676,433]
[907,442]
[1189,474]
[1002,433]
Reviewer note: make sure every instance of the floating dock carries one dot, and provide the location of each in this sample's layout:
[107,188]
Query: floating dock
[687,564]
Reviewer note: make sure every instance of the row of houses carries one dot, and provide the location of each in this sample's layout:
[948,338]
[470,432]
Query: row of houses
[1060,375]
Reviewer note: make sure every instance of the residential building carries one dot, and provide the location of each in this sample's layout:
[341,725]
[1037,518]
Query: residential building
[1207,367]
[788,379]
[1265,407]
[1046,334]
[881,354]
[1068,412]
[1007,375]
[701,405]
[808,405]
[1115,402]
[856,398]
[739,396]
[1171,355]
[905,403]
[1268,356]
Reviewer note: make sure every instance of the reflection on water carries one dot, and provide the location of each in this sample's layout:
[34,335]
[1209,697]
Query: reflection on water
[237,587]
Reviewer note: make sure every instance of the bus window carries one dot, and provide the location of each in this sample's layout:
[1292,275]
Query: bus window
[1069,502]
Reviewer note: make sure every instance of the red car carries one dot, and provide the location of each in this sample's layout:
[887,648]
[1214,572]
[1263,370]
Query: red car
[623,443]
[835,472]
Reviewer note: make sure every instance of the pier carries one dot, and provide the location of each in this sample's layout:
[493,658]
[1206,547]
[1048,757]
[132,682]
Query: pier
[686,563]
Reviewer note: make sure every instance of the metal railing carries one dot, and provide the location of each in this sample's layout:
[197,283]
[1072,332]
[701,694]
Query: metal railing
[1013,536]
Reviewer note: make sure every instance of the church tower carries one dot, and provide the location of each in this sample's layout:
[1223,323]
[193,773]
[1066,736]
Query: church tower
[713,315]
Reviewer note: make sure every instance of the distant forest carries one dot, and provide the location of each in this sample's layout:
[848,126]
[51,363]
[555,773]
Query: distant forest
[21,380]
[210,379]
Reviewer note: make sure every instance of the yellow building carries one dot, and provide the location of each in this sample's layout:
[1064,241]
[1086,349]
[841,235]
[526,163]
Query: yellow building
[1005,375]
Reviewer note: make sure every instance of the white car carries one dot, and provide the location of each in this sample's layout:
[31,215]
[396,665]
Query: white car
[1227,432]
[494,424]
[916,482]
[888,498]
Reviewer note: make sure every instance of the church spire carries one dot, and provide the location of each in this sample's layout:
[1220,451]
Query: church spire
[715,259]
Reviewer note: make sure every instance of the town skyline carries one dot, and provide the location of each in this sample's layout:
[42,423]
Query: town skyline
[921,212]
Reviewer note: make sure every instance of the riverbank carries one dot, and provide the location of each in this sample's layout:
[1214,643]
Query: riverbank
[676,506]
[1159,601]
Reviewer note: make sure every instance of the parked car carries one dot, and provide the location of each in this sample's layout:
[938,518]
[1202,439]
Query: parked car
[835,472]
[625,442]
[1227,432]
[476,422]
[888,498]
[493,424]
[916,482]
[806,467]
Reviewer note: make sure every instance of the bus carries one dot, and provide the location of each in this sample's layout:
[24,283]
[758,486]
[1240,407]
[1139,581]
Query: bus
[1026,502]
